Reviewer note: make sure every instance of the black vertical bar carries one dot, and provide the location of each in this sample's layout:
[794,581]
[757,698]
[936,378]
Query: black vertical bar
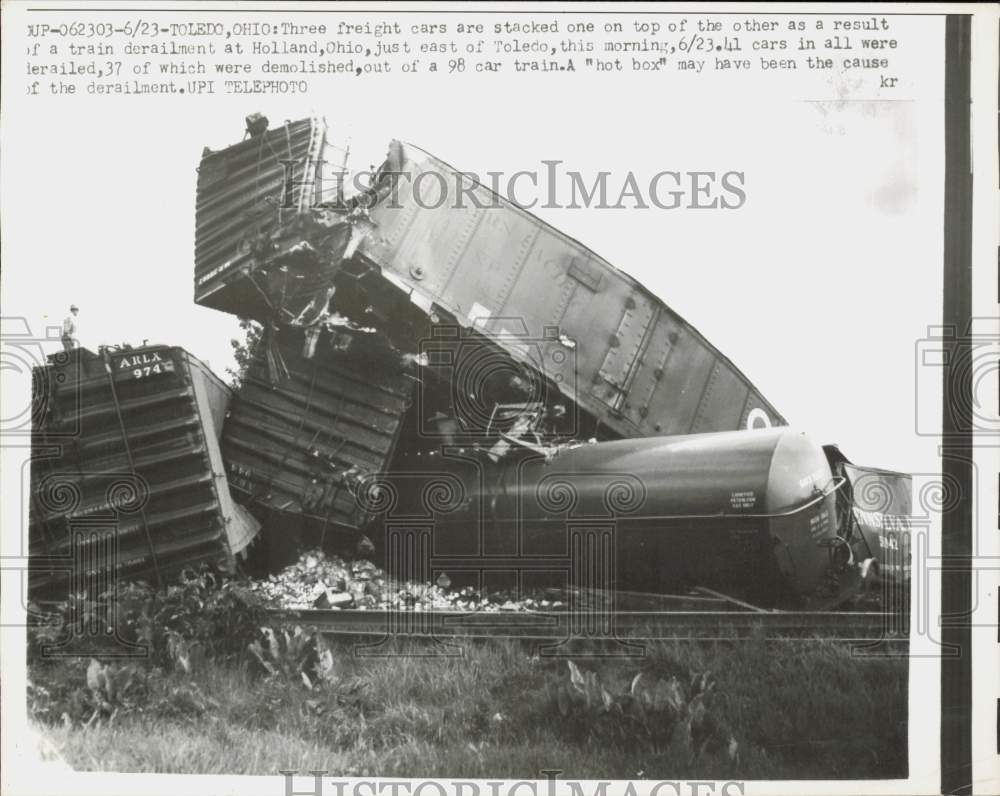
[956,524]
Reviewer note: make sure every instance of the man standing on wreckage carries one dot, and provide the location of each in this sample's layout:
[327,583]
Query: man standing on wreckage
[70,329]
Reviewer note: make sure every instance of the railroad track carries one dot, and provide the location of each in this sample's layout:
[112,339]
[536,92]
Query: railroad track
[575,624]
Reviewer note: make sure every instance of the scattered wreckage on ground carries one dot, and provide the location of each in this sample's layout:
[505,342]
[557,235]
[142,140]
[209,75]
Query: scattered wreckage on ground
[484,395]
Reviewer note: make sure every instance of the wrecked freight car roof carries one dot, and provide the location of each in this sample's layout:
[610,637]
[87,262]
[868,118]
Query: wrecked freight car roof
[279,246]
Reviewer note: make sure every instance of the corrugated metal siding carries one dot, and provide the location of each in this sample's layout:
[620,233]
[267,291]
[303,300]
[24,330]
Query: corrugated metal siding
[297,445]
[127,445]
[639,367]
[241,190]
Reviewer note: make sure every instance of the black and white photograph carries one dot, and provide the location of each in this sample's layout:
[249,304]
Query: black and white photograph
[499,398]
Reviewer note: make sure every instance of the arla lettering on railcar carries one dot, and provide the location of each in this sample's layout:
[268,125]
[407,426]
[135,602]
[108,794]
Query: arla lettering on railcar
[138,360]
[145,363]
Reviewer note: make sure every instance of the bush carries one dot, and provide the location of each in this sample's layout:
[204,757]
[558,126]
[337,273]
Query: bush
[652,710]
[199,616]
[79,692]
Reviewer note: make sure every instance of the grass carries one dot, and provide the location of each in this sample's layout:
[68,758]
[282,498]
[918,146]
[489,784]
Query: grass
[799,710]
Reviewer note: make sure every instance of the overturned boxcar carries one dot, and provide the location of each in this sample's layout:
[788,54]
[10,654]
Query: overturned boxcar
[127,476]
[317,410]
[636,365]
[277,240]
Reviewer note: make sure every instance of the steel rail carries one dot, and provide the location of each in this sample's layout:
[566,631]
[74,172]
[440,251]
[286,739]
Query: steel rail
[598,625]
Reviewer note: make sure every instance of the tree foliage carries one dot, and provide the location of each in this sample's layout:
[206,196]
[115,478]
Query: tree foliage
[244,350]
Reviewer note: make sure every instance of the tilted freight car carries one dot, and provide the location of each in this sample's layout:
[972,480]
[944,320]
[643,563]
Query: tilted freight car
[127,477]
[638,367]
[752,514]
[317,410]
[278,241]
[247,194]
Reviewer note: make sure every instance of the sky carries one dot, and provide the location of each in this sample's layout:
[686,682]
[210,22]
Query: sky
[819,288]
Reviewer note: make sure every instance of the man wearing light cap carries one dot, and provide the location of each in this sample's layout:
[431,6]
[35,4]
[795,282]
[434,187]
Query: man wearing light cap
[70,337]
